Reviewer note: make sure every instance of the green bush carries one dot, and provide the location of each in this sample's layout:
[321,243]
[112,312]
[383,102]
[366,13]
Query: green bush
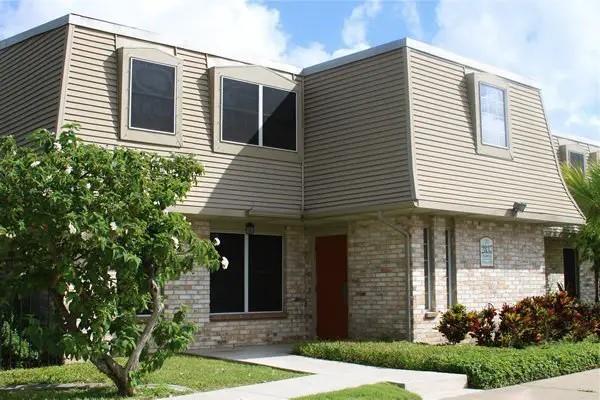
[485,367]
[15,351]
[454,324]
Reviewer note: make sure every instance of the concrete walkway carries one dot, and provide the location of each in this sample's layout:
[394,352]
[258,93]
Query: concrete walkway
[326,376]
[580,386]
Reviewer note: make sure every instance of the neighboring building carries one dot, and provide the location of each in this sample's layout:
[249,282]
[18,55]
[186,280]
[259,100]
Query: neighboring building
[355,198]
[562,265]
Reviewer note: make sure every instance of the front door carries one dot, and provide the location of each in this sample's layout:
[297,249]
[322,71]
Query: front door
[332,287]
[571,271]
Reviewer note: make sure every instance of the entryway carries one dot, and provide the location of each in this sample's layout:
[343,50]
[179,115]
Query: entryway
[332,286]
[571,272]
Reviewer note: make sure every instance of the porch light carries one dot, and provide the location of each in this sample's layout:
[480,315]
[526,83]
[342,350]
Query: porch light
[518,207]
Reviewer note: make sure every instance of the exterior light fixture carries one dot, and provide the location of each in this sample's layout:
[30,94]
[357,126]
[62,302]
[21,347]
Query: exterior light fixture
[518,207]
[250,228]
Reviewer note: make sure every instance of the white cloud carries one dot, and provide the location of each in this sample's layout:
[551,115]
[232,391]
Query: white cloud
[354,32]
[554,42]
[412,18]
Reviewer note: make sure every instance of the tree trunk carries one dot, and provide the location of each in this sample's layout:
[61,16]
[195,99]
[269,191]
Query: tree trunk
[117,374]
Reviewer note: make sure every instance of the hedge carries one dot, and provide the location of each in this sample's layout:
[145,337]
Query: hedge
[485,367]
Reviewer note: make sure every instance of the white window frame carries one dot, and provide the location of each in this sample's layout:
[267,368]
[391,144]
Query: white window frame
[474,82]
[450,268]
[581,153]
[247,272]
[175,94]
[429,280]
[260,115]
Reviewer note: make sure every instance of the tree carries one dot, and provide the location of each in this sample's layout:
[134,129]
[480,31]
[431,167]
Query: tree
[585,189]
[88,225]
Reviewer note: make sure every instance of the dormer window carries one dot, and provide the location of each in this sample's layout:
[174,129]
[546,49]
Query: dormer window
[257,113]
[573,155]
[151,87]
[577,160]
[489,98]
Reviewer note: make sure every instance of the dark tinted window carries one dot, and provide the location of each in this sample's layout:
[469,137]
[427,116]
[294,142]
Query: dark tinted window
[227,285]
[577,160]
[152,96]
[279,118]
[264,273]
[240,111]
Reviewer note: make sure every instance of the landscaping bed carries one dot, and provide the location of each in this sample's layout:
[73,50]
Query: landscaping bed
[485,367]
[195,373]
[379,391]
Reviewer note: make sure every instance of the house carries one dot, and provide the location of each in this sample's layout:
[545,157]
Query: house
[355,198]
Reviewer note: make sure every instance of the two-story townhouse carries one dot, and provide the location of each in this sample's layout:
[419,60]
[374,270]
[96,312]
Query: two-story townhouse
[355,198]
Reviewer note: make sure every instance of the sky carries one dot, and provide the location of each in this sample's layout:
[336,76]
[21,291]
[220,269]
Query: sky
[555,43]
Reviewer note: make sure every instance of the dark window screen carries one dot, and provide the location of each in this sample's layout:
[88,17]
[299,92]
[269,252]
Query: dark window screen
[152,96]
[577,160]
[265,273]
[279,118]
[227,285]
[240,111]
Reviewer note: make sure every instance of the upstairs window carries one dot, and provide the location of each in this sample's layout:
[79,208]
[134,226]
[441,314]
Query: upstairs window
[489,99]
[152,98]
[258,115]
[150,85]
[492,108]
[577,160]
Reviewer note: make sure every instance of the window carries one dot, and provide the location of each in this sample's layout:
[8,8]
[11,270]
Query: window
[150,84]
[257,112]
[492,105]
[428,270]
[450,269]
[252,281]
[152,98]
[577,160]
[489,99]
[258,115]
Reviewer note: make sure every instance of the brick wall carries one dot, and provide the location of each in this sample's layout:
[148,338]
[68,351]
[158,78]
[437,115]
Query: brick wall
[193,290]
[377,279]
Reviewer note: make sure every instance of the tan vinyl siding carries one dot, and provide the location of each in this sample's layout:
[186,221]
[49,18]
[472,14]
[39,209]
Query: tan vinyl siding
[448,169]
[356,135]
[233,184]
[30,83]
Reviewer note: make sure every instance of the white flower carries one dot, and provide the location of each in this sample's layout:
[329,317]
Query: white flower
[72,229]
[156,203]
[95,193]
[216,241]
[86,236]
[175,241]
[10,235]
[225,262]
[35,164]
[46,192]
[88,185]
[113,226]
[57,146]
[68,170]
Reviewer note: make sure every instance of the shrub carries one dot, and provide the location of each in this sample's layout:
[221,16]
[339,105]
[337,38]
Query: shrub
[482,326]
[454,324]
[485,367]
[15,351]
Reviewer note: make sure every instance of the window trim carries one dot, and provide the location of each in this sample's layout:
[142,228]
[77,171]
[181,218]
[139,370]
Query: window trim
[130,97]
[428,269]
[246,313]
[474,81]
[583,158]
[259,76]
[260,115]
[155,56]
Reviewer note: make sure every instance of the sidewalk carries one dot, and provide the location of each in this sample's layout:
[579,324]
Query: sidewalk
[579,386]
[326,376]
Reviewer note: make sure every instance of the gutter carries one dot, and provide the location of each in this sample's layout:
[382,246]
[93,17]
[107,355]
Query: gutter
[408,254]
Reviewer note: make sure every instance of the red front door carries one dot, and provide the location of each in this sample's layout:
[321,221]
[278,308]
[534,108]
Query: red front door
[332,285]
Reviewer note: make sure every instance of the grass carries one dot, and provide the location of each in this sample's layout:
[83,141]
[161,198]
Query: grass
[378,391]
[485,367]
[196,373]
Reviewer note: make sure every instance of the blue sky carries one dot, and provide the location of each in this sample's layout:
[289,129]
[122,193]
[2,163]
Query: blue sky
[553,42]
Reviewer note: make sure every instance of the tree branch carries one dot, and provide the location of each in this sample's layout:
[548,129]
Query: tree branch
[157,309]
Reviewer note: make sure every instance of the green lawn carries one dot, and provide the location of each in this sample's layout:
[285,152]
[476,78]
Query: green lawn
[196,373]
[485,367]
[377,391]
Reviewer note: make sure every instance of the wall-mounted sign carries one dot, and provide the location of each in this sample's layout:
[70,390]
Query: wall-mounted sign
[486,250]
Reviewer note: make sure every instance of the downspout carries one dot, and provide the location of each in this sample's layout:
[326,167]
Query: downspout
[408,252]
